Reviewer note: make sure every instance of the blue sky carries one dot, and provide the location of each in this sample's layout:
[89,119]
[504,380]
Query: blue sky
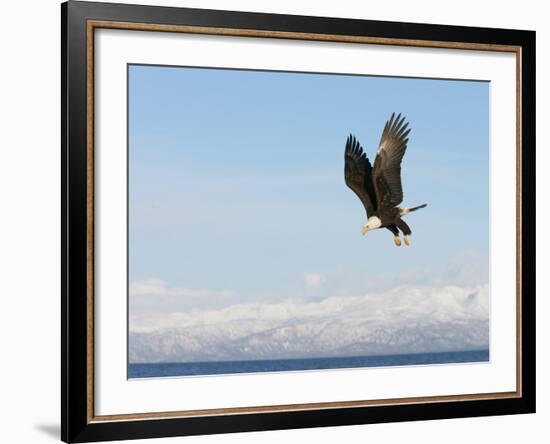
[236,183]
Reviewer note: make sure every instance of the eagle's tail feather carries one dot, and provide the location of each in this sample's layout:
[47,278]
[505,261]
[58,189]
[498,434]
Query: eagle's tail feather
[410,210]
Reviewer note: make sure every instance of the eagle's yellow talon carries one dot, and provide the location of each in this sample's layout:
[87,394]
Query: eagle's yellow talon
[406,239]
[397,241]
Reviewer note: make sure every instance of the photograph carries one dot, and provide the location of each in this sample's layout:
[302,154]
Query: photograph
[285,221]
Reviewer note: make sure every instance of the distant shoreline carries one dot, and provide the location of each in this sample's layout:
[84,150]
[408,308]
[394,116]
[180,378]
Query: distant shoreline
[173,369]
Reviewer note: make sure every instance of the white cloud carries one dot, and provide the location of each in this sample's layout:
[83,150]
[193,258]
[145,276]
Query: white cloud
[151,286]
[154,299]
[313,280]
[158,287]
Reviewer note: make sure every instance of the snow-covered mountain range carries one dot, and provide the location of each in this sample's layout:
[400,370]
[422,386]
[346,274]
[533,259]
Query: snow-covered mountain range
[403,320]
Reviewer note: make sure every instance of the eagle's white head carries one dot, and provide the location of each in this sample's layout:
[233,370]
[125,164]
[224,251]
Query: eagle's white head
[373,222]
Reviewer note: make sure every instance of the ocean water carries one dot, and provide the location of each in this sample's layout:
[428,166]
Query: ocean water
[155,370]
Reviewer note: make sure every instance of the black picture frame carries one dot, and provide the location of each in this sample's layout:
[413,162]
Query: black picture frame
[76,423]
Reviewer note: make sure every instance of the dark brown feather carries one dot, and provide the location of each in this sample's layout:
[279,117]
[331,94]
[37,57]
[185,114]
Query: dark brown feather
[358,174]
[387,165]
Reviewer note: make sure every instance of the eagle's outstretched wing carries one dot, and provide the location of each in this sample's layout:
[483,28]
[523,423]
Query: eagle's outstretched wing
[387,165]
[358,174]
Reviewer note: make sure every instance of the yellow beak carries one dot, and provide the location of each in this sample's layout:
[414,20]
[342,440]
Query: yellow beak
[364,230]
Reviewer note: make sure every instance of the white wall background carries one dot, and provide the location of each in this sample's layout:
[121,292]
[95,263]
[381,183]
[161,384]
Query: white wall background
[30,207]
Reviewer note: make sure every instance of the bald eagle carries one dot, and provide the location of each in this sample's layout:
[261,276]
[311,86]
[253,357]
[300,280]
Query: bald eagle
[379,188]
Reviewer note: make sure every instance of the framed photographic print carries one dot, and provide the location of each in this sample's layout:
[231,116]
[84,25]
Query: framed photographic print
[275,221]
